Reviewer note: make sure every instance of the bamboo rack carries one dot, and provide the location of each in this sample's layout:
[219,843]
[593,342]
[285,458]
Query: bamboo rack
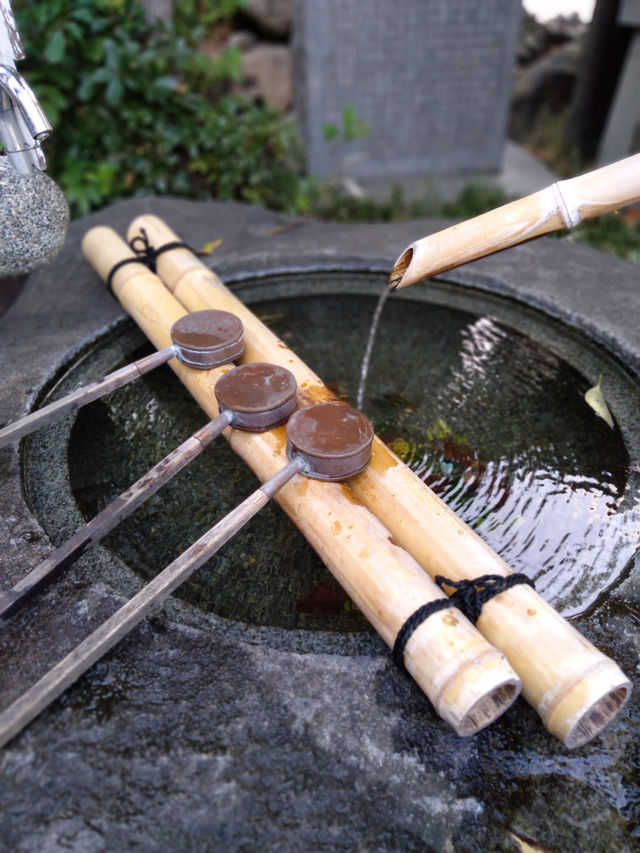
[562,205]
[575,688]
[466,679]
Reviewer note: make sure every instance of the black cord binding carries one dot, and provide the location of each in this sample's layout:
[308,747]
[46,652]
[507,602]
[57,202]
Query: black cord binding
[417,618]
[469,597]
[145,254]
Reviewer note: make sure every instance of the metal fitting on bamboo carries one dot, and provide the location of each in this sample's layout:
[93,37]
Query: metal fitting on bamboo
[466,679]
[562,205]
[574,687]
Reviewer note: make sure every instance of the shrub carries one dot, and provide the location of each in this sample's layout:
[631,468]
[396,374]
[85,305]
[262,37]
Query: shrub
[138,110]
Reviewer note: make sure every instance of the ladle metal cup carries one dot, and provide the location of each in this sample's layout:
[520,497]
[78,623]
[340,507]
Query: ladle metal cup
[202,339]
[265,395]
[327,441]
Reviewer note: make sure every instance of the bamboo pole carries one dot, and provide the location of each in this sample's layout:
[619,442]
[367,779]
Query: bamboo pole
[574,687]
[562,205]
[466,679]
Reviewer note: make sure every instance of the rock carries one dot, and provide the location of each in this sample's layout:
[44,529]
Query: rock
[241,39]
[269,72]
[272,17]
[158,10]
[546,82]
[33,220]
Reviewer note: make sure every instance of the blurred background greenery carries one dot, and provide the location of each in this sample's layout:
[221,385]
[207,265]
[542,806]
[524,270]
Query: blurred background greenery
[141,109]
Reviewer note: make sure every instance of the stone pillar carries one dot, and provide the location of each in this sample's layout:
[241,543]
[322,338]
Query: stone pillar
[432,80]
[622,131]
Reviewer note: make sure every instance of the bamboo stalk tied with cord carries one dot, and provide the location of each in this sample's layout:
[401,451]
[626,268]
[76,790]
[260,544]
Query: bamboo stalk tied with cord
[564,204]
[466,679]
[575,688]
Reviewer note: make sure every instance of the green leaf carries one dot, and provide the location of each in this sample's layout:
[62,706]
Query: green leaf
[595,398]
[330,131]
[114,91]
[54,51]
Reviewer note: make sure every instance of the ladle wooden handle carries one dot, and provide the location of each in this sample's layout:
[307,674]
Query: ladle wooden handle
[28,706]
[76,399]
[562,205]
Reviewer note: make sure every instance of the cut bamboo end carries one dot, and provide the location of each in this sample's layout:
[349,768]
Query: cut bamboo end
[588,705]
[476,691]
[562,205]
[400,267]
[100,245]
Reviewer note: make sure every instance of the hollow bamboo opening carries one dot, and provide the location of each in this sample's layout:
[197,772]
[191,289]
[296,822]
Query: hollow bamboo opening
[597,717]
[400,267]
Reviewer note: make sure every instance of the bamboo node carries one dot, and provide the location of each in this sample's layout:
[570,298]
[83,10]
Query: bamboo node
[567,205]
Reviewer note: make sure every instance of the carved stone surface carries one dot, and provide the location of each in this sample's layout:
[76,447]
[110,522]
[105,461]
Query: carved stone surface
[431,80]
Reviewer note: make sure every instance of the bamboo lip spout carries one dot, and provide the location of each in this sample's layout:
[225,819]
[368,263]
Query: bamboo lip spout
[562,205]
[400,267]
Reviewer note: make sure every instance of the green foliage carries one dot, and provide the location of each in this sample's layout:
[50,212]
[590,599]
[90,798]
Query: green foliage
[352,128]
[138,110]
[475,198]
[614,233]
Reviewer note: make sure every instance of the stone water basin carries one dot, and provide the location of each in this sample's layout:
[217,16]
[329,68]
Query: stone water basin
[258,708]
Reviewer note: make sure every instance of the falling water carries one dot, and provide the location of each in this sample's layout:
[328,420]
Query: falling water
[364,370]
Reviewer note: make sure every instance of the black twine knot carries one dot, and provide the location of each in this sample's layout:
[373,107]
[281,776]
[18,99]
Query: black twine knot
[469,597]
[145,254]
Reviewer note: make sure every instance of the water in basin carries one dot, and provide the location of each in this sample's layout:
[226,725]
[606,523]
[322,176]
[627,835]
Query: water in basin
[493,419]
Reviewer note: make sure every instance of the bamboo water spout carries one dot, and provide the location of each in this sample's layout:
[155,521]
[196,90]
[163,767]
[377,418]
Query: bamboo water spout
[562,205]
[575,688]
[467,680]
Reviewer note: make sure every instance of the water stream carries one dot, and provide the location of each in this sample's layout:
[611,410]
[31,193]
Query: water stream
[366,359]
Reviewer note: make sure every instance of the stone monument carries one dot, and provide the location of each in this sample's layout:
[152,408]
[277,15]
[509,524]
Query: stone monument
[431,80]
[622,132]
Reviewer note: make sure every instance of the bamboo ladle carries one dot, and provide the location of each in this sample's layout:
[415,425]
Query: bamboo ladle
[575,688]
[562,205]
